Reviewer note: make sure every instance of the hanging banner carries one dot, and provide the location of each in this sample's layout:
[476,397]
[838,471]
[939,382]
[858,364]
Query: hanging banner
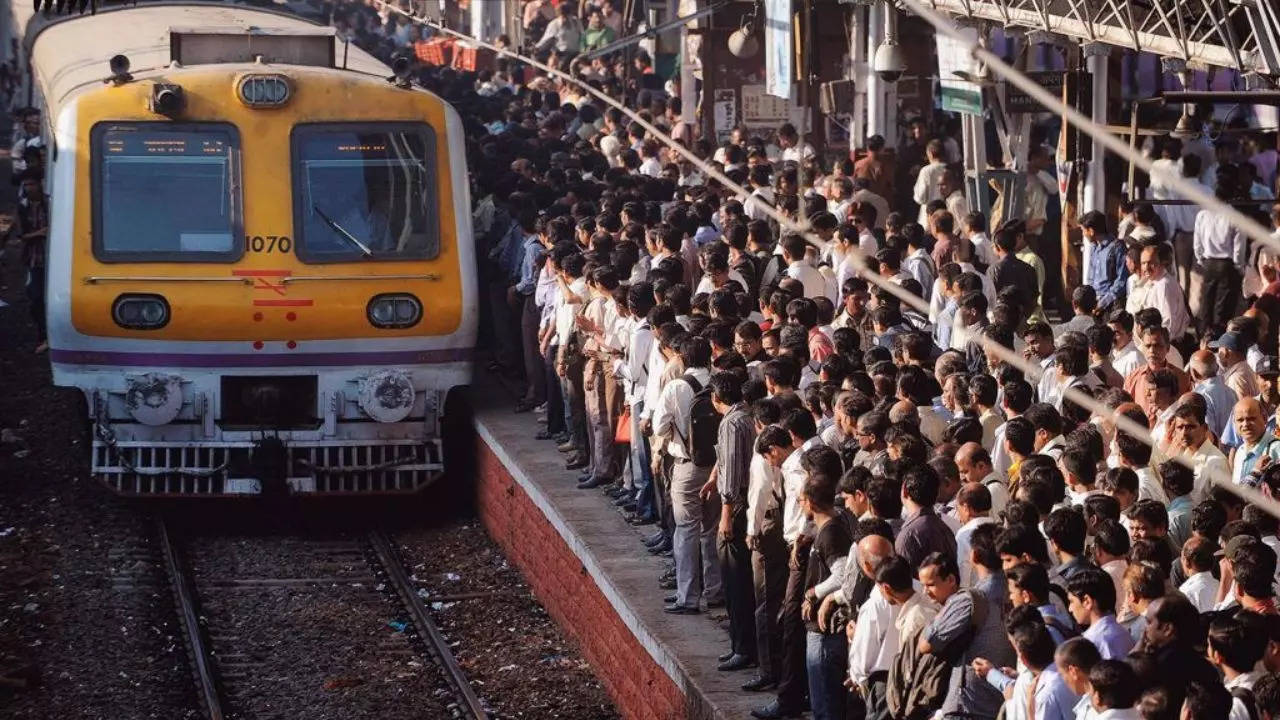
[958,95]
[777,42]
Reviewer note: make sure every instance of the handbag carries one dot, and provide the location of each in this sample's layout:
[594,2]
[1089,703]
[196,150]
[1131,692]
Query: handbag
[622,433]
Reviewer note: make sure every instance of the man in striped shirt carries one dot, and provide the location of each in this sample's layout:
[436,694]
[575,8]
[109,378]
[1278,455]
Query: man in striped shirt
[730,478]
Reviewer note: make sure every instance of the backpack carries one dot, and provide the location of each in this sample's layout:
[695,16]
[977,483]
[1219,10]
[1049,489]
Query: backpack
[704,425]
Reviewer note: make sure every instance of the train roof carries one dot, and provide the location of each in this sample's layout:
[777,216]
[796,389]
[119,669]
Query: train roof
[71,52]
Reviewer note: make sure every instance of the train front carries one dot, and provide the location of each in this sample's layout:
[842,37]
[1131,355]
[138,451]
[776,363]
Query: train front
[261,268]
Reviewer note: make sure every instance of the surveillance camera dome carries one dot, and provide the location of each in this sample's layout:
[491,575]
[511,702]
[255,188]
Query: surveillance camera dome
[889,62]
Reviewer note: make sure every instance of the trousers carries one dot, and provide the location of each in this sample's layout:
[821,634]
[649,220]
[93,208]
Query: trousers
[793,684]
[1220,293]
[739,597]
[825,658]
[769,576]
[694,543]
[530,317]
[557,420]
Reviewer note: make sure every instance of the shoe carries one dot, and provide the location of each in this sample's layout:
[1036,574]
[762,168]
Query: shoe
[655,538]
[667,583]
[561,438]
[541,409]
[525,406]
[584,477]
[735,663]
[566,447]
[544,435]
[639,520]
[617,491]
[575,463]
[759,684]
[674,609]
[668,575]
[592,483]
[629,507]
[773,711]
[715,603]
[624,499]
[662,547]
[670,600]
[723,657]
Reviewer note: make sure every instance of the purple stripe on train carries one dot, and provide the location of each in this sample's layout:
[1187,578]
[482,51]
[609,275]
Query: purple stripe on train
[225,360]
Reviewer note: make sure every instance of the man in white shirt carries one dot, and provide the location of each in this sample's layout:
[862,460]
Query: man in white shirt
[1162,292]
[1200,587]
[1126,357]
[928,186]
[973,509]
[761,194]
[694,542]
[793,149]
[1221,250]
[768,550]
[794,249]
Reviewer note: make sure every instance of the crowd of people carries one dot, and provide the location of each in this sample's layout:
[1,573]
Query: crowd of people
[898,522]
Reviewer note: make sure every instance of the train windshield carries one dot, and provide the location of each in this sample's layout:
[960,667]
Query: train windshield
[365,192]
[166,192]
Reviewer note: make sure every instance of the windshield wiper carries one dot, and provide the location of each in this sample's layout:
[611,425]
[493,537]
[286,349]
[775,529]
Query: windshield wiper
[364,249]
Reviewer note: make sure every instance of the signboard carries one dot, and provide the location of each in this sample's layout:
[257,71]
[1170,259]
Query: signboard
[1017,101]
[725,113]
[760,107]
[777,43]
[958,95]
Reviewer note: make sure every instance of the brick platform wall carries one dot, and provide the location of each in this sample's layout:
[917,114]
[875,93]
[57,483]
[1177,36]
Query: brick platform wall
[636,682]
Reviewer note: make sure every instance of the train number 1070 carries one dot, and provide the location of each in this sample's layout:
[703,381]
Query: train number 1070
[268,243]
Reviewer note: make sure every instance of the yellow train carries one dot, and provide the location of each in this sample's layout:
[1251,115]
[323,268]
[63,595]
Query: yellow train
[261,270]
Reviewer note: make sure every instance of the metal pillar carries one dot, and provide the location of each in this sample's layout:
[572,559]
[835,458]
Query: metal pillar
[1095,184]
[858,70]
[882,97]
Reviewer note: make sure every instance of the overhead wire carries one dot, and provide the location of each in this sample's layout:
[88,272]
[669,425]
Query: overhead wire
[1007,355]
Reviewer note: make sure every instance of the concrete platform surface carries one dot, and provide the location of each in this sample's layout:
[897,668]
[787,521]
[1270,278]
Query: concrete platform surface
[611,552]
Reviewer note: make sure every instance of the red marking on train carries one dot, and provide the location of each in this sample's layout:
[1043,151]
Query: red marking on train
[291,316]
[284,303]
[291,344]
[261,273]
[257,317]
[257,344]
[277,288]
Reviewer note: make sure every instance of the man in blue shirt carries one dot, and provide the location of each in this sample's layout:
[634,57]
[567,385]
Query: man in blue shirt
[1107,273]
[1091,599]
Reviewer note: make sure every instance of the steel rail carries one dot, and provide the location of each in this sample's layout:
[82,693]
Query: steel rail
[437,644]
[184,593]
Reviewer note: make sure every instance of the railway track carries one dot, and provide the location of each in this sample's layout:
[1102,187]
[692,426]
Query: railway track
[280,627]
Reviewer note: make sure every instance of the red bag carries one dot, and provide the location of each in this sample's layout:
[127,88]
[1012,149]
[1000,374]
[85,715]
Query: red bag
[622,433]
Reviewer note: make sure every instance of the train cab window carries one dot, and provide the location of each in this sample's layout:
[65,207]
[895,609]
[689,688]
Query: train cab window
[364,192]
[165,192]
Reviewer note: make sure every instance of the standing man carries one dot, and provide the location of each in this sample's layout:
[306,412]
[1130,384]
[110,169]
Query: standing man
[729,479]
[1221,250]
[694,544]
[1107,273]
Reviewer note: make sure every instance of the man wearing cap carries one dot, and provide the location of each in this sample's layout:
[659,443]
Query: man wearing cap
[1257,441]
[1236,372]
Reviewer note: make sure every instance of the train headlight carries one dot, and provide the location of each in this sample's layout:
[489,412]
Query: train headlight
[263,90]
[140,312]
[394,310]
[387,396]
[154,398]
